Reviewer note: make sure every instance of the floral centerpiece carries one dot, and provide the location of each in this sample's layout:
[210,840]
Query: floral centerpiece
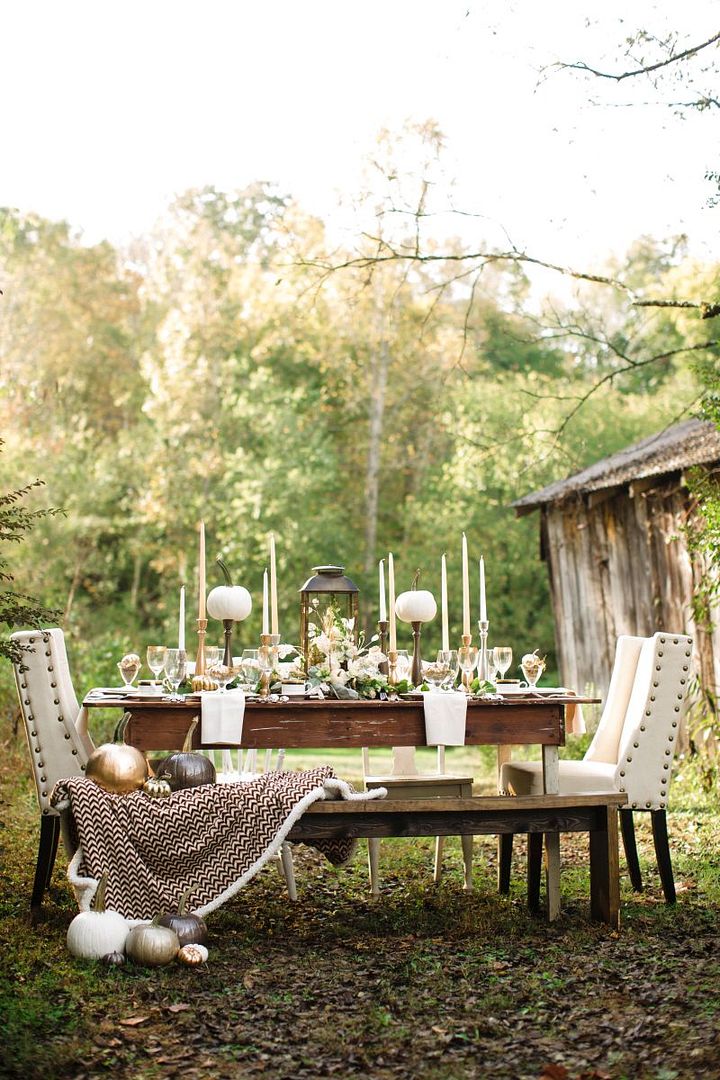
[340,664]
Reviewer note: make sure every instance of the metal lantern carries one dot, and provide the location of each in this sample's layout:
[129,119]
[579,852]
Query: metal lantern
[327,586]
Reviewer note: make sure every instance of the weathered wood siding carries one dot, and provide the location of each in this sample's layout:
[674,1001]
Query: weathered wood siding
[621,566]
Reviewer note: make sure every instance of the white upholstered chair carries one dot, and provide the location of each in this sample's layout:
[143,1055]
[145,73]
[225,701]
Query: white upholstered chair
[57,737]
[632,750]
[405,782]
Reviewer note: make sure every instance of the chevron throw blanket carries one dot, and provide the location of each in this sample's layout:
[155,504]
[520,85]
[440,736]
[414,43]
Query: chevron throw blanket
[210,839]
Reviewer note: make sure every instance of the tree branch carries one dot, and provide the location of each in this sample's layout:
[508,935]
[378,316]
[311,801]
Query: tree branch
[646,69]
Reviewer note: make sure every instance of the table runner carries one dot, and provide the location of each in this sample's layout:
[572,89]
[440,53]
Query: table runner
[211,839]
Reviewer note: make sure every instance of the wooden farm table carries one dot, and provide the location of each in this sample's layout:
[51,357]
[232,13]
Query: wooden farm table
[160,724]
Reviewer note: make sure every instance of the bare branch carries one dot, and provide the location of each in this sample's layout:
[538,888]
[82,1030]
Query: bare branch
[646,69]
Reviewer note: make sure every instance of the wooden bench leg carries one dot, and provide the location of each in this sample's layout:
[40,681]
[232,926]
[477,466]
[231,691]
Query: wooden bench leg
[505,848]
[534,869]
[605,869]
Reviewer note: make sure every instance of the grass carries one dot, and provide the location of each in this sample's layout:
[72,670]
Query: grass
[426,982]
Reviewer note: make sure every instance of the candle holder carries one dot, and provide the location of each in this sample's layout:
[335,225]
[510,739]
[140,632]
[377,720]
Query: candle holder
[200,655]
[482,664]
[392,668]
[228,631]
[269,643]
[466,680]
[416,674]
[382,633]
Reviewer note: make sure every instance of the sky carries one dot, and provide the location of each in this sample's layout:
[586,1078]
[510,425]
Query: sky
[108,109]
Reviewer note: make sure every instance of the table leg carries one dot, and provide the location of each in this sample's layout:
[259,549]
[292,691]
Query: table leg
[551,786]
[504,841]
[605,870]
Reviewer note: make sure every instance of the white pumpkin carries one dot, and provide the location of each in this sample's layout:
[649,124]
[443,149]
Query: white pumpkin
[228,601]
[93,934]
[417,605]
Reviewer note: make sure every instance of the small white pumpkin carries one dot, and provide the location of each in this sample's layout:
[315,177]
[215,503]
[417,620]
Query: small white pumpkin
[417,605]
[228,601]
[93,934]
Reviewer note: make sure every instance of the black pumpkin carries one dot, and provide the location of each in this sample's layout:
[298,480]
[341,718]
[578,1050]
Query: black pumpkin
[190,929]
[185,769]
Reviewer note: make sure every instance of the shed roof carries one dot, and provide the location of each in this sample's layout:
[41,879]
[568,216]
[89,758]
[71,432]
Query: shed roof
[694,442]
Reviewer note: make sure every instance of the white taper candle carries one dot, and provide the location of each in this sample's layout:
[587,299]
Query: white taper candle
[273,588]
[465,587]
[391,602]
[383,609]
[444,604]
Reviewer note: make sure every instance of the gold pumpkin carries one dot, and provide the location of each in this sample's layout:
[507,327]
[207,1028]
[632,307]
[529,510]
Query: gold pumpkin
[116,767]
[203,682]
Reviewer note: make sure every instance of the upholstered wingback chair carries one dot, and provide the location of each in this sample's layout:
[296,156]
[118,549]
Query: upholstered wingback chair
[633,748]
[58,748]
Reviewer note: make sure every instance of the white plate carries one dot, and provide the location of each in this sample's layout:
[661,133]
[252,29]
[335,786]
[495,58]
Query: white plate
[515,691]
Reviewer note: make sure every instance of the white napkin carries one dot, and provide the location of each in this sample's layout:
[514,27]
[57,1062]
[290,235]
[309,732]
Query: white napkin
[445,716]
[222,717]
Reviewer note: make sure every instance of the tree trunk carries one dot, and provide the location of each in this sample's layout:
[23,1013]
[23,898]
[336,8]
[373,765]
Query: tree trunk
[135,587]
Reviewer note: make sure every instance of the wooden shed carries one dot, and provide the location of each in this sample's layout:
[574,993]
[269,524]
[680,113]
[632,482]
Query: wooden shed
[612,537]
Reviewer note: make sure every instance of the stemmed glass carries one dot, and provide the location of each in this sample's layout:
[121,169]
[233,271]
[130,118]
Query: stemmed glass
[222,673]
[532,668]
[493,669]
[129,668]
[448,659]
[249,669]
[155,657]
[213,656]
[402,665]
[175,660]
[467,658]
[502,657]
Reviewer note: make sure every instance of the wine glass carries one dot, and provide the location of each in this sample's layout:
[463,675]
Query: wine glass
[493,670]
[467,659]
[213,656]
[155,658]
[403,665]
[129,667]
[175,660]
[448,659]
[502,656]
[221,672]
[249,669]
[532,668]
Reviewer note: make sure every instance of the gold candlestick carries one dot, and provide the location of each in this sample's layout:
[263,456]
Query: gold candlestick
[268,644]
[200,656]
[466,643]
[392,668]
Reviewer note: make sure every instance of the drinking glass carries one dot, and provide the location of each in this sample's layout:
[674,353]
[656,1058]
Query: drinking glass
[175,660]
[403,665]
[249,669]
[213,656]
[532,668]
[467,658]
[221,672]
[129,668]
[448,658]
[155,657]
[493,670]
[502,656]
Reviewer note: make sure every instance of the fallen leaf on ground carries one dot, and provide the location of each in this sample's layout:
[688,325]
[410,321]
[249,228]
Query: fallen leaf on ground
[133,1021]
[178,1008]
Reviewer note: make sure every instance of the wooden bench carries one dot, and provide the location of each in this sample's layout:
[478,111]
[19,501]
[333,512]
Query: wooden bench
[536,815]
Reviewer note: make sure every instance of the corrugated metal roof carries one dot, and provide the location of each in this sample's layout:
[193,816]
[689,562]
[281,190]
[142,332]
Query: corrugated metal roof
[694,442]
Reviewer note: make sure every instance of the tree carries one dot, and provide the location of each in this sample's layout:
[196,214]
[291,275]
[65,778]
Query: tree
[18,609]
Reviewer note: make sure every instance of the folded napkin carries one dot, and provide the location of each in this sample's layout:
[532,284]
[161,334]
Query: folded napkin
[222,717]
[574,719]
[445,716]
